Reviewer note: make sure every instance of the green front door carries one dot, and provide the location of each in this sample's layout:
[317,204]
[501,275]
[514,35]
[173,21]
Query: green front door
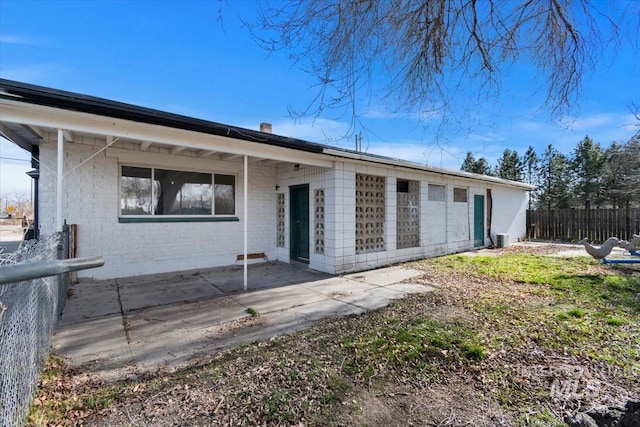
[478,220]
[299,216]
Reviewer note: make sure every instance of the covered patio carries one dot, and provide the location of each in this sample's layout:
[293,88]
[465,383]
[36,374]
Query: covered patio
[76,144]
[121,327]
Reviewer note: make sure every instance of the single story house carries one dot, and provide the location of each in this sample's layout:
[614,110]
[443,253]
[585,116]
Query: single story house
[151,192]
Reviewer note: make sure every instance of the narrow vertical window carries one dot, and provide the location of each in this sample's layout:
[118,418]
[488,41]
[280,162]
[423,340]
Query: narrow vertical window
[319,221]
[281,220]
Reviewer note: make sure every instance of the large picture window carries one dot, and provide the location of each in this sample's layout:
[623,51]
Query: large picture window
[153,191]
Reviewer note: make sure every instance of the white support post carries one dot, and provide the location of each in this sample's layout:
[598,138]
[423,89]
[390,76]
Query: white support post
[60,177]
[246,212]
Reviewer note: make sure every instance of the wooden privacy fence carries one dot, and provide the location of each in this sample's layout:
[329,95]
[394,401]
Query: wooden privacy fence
[597,225]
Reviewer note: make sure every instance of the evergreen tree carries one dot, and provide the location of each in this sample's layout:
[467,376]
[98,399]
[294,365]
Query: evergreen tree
[555,178]
[480,166]
[509,166]
[531,170]
[621,183]
[587,165]
[530,166]
[468,162]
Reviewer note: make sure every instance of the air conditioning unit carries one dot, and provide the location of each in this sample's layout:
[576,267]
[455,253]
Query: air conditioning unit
[503,240]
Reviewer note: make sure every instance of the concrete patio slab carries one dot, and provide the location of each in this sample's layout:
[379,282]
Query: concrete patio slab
[326,308]
[277,299]
[136,295]
[167,319]
[385,276]
[168,336]
[85,296]
[370,300]
[187,317]
[337,286]
[101,342]
[260,276]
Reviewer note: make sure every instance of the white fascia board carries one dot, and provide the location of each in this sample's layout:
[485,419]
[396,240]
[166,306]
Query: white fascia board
[395,163]
[42,116]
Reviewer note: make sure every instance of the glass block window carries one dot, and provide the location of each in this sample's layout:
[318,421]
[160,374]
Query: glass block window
[436,193]
[407,214]
[319,221]
[370,213]
[281,218]
[460,195]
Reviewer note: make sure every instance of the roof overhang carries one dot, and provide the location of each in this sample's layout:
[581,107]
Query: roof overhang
[24,136]
[398,163]
[16,114]
[38,95]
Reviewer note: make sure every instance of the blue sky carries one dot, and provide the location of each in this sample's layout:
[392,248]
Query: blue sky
[179,57]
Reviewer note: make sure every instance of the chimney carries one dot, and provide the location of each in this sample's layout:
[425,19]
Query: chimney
[265,127]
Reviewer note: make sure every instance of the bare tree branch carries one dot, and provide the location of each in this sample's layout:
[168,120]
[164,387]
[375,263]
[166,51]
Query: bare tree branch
[423,52]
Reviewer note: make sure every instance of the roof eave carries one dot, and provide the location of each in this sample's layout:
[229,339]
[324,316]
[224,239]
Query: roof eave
[424,168]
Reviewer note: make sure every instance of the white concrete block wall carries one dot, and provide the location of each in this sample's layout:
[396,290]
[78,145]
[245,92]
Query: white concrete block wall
[390,214]
[446,227]
[91,200]
[345,217]
[434,216]
[458,217]
[340,228]
[509,213]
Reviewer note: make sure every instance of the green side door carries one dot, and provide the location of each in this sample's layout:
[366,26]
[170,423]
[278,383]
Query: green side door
[299,226]
[478,220]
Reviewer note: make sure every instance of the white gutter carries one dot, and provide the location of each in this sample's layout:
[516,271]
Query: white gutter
[60,176]
[246,211]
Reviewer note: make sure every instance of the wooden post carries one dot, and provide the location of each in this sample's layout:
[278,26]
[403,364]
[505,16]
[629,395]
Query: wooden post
[73,245]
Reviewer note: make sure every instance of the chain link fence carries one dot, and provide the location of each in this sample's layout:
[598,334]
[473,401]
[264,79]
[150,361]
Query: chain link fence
[29,311]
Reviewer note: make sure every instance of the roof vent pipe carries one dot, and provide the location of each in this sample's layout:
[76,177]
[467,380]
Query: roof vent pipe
[265,127]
